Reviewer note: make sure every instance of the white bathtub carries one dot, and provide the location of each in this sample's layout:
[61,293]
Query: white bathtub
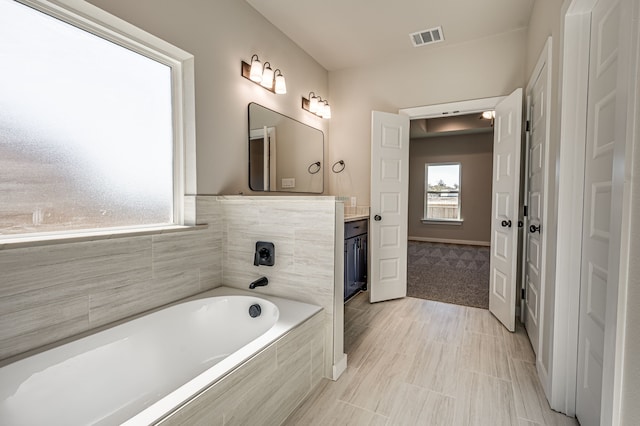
[140,371]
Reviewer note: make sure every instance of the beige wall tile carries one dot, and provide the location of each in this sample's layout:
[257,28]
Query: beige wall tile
[34,327]
[302,230]
[93,283]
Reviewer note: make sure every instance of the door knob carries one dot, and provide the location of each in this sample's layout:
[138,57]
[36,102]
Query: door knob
[534,228]
[506,224]
[377,218]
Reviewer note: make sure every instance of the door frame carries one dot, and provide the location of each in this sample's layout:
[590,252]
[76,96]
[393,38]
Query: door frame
[575,30]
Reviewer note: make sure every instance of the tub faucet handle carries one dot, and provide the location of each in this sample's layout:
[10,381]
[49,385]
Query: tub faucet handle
[265,254]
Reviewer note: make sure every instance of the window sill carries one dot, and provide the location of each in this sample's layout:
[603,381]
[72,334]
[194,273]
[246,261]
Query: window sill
[442,221]
[79,237]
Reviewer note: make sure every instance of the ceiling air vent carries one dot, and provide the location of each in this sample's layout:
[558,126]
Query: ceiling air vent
[424,37]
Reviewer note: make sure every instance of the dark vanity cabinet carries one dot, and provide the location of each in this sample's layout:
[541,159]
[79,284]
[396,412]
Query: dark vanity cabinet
[355,257]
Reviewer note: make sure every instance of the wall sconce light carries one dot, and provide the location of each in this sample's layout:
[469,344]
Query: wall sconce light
[264,75]
[316,105]
[281,85]
[267,76]
[255,73]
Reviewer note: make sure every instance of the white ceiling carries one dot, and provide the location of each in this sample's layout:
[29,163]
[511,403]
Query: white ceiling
[344,33]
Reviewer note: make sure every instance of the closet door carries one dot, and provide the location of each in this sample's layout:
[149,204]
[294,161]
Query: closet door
[507,138]
[597,232]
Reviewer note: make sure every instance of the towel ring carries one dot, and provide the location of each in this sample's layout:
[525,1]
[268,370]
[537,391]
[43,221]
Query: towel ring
[311,166]
[338,163]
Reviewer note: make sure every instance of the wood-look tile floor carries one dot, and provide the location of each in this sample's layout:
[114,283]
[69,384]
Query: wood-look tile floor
[420,362]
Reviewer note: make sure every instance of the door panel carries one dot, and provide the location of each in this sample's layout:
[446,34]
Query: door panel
[504,219]
[536,146]
[389,192]
[597,209]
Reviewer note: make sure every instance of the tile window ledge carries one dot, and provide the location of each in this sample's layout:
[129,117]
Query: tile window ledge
[78,237]
[442,221]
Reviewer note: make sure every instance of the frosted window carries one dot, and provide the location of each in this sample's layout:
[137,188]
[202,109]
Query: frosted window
[442,194]
[85,129]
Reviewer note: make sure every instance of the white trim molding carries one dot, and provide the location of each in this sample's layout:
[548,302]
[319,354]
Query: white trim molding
[452,108]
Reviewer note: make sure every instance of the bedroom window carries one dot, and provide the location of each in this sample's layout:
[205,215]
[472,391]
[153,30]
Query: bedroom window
[90,125]
[442,192]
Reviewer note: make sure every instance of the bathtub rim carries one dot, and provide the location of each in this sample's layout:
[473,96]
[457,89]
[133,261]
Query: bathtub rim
[181,396]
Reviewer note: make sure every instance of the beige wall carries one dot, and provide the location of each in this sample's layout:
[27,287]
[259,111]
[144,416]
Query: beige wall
[429,75]
[220,34]
[475,153]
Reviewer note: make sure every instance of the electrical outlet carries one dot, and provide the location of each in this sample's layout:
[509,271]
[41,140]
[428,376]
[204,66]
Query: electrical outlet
[288,183]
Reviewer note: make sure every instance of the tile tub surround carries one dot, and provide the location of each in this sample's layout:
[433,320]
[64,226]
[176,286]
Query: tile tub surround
[265,389]
[52,292]
[303,229]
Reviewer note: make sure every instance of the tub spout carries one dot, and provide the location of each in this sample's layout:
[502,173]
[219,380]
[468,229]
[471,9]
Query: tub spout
[260,282]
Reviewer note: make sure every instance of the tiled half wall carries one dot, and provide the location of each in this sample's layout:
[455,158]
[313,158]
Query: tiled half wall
[52,292]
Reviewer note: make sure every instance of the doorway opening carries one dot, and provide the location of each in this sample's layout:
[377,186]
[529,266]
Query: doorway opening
[449,220]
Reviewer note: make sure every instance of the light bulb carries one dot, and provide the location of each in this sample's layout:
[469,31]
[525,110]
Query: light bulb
[487,115]
[281,85]
[327,111]
[313,103]
[256,69]
[267,76]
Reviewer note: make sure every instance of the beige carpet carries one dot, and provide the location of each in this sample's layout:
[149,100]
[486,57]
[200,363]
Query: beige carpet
[449,273]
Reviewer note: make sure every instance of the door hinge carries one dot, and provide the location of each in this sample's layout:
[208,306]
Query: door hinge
[527,126]
[523,294]
[525,211]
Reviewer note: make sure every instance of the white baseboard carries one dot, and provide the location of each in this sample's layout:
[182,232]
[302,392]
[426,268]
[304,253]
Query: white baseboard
[449,241]
[339,367]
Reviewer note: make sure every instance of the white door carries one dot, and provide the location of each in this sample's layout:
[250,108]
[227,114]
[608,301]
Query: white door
[534,228]
[507,138]
[596,231]
[389,206]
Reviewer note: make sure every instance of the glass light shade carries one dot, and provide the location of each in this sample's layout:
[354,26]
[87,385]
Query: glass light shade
[320,110]
[327,111]
[267,76]
[313,104]
[256,70]
[281,85]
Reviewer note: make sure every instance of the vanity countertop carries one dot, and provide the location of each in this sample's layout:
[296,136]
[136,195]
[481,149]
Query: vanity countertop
[354,217]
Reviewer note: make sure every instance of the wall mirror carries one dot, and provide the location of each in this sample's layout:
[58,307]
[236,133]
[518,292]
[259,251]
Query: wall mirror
[285,155]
